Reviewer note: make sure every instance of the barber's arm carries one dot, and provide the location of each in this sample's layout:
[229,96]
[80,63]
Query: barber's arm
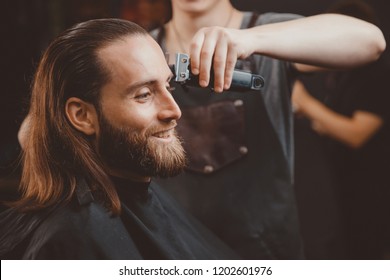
[353,131]
[23,131]
[327,41]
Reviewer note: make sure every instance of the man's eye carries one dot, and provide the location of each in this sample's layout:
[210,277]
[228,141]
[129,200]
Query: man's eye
[143,96]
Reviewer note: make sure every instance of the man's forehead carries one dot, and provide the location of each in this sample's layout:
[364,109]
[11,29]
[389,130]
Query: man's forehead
[135,60]
[120,45]
[139,49]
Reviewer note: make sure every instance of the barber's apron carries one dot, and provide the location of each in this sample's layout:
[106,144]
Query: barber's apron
[238,181]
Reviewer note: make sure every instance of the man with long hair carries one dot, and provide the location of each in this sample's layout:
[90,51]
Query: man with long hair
[101,123]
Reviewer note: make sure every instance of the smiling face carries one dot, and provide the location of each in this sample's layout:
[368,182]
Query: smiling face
[137,115]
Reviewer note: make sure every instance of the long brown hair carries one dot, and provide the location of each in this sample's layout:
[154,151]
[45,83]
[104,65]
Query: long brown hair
[55,153]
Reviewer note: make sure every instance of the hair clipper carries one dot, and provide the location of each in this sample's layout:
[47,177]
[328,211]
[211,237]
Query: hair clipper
[241,80]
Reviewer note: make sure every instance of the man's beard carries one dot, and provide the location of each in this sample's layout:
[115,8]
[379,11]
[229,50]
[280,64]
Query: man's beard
[129,151]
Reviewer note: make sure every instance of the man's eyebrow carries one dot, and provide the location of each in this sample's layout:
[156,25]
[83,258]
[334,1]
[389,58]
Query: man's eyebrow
[137,85]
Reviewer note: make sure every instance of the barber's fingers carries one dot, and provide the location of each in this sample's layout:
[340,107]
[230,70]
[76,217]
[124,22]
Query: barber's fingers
[195,49]
[214,47]
[202,52]
[219,64]
[231,59]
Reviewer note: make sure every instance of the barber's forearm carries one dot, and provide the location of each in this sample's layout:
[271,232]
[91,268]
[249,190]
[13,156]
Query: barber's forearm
[352,131]
[329,123]
[328,40]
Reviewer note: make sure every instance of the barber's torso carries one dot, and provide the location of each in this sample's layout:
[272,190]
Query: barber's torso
[239,144]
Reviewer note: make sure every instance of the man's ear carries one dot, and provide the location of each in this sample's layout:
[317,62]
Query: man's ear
[82,115]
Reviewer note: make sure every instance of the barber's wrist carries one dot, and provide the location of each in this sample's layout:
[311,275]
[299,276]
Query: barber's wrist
[307,105]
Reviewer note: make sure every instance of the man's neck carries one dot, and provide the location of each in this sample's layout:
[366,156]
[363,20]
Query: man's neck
[186,23]
[129,176]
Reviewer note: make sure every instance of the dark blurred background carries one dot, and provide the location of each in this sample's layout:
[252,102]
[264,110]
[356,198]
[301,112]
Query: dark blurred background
[27,26]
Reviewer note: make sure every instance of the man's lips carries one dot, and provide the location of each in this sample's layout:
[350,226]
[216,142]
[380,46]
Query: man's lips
[164,134]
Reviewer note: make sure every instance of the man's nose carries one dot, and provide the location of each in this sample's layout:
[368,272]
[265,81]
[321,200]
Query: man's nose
[169,110]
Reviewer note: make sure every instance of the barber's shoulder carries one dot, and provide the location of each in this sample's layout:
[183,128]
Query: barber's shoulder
[272,17]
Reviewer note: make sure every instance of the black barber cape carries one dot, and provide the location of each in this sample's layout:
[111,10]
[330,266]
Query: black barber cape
[151,226]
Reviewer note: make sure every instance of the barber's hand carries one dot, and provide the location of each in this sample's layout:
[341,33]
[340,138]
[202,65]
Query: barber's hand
[23,131]
[219,48]
[300,98]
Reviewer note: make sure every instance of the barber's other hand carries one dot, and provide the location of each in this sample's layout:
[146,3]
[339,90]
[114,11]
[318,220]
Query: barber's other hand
[219,48]
[300,98]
